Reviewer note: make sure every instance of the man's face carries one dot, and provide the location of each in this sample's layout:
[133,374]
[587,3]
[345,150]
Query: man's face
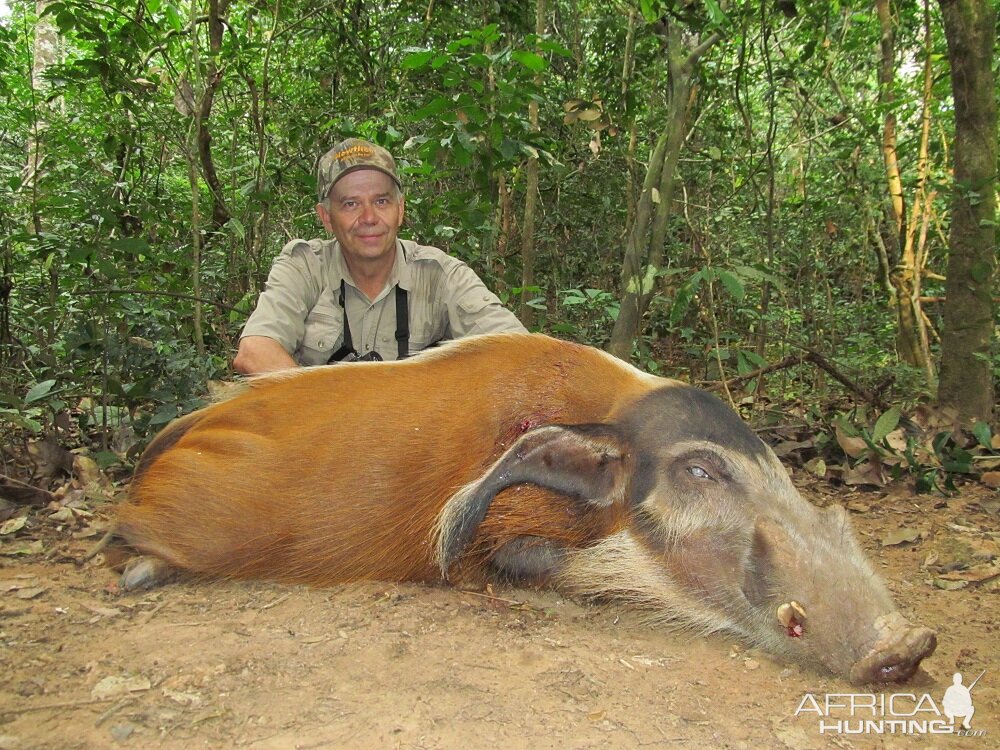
[364,212]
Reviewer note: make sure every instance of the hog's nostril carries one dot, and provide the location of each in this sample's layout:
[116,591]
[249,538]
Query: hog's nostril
[900,671]
[897,661]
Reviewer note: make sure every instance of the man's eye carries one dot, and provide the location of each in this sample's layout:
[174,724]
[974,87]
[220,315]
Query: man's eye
[700,473]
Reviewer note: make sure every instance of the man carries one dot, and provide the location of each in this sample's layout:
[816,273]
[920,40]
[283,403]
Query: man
[366,294]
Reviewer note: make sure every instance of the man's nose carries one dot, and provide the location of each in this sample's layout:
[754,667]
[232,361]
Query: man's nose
[368,213]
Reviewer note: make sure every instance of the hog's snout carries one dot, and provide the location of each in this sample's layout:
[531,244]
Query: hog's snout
[897,653]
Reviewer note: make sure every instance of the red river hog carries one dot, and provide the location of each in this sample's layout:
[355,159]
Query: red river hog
[520,458]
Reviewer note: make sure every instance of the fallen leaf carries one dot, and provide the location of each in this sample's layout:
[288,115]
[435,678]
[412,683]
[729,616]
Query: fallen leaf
[816,466]
[63,515]
[13,525]
[87,470]
[896,440]
[864,473]
[112,687]
[941,583]
[103,611]
[979,574]
[854,447]
[30,593]
[786,447]
[20,583]
[900,536]
[858,507]
[49,457]
[31,548]
[122,732]
[991,479]
[183,698]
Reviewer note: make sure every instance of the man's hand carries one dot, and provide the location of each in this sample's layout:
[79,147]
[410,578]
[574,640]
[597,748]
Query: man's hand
[260,354]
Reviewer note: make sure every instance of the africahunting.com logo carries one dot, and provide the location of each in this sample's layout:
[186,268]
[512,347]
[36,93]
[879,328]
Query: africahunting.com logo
[895,713]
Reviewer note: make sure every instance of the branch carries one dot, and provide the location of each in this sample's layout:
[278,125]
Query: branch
[701,49]
[797,359]
[149,293]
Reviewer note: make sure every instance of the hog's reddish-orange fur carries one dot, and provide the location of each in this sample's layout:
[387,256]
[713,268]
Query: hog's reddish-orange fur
[338,473]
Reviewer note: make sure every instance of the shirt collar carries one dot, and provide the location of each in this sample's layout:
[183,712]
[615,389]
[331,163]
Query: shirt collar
[402,272]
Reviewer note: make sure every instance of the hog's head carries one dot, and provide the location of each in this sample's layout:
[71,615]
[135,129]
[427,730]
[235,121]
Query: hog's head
[713,535]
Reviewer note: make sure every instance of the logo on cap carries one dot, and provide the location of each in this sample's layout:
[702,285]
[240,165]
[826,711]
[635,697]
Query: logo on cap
[355,152]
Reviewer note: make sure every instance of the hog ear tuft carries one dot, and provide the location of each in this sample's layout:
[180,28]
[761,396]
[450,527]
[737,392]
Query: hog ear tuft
[587,463]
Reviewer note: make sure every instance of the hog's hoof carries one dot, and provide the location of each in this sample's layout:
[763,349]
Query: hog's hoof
[897,654]
[145,572]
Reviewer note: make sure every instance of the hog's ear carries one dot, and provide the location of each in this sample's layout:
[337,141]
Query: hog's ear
[584,462]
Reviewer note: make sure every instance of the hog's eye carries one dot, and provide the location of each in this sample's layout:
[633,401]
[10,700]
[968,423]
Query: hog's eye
[698,472]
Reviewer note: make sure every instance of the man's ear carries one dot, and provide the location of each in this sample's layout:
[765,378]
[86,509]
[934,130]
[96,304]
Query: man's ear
[324,216]
[402,210]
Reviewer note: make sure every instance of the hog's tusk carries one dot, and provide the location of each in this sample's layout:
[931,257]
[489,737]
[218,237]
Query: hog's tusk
[791,613]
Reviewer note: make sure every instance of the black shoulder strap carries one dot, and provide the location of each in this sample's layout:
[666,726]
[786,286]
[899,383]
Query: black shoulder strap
[402,326]
[348,347]
[402,323]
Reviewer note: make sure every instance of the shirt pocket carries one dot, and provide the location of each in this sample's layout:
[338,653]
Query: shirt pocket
[425,333]
[324,333]
[471,310]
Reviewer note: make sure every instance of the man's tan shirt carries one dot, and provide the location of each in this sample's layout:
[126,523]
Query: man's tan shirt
[300,305]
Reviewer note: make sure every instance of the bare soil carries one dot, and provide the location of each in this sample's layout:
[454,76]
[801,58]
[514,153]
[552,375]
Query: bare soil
[374,665]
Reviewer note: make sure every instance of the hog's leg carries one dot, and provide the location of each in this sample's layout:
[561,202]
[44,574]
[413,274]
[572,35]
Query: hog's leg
[146,572]
[529,560]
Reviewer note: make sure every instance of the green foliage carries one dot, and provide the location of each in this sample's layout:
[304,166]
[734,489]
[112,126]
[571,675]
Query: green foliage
[900,444]
[771,250]
[473,121]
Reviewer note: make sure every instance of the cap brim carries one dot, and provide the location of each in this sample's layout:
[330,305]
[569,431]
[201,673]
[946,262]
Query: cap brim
[358,168]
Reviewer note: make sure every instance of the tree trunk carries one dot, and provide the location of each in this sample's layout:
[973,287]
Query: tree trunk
[904,273]
[528,250]
[643,257]
[627,67]
[966,382]
[45,53]
[213,78]
[201,144]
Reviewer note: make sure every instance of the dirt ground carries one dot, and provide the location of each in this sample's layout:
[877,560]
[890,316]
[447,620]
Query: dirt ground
[255,665]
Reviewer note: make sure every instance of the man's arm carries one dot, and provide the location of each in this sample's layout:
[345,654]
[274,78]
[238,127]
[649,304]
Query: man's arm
[473,309]
[277,323]
[260,354]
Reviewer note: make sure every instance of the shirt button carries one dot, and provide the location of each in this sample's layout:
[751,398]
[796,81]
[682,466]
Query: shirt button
[322,344]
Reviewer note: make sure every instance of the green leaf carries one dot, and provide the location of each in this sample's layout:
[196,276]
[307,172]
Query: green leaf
[733,285]
[651,10]
[533,62]
[554,48]
[39,391]
[434,107]
[417,60]
[173,17]
[132,245]
[164,414]
[20,420]
[983,434]
[886,424]
[715,13]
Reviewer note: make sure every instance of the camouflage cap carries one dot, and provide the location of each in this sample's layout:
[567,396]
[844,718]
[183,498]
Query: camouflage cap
[349,156]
